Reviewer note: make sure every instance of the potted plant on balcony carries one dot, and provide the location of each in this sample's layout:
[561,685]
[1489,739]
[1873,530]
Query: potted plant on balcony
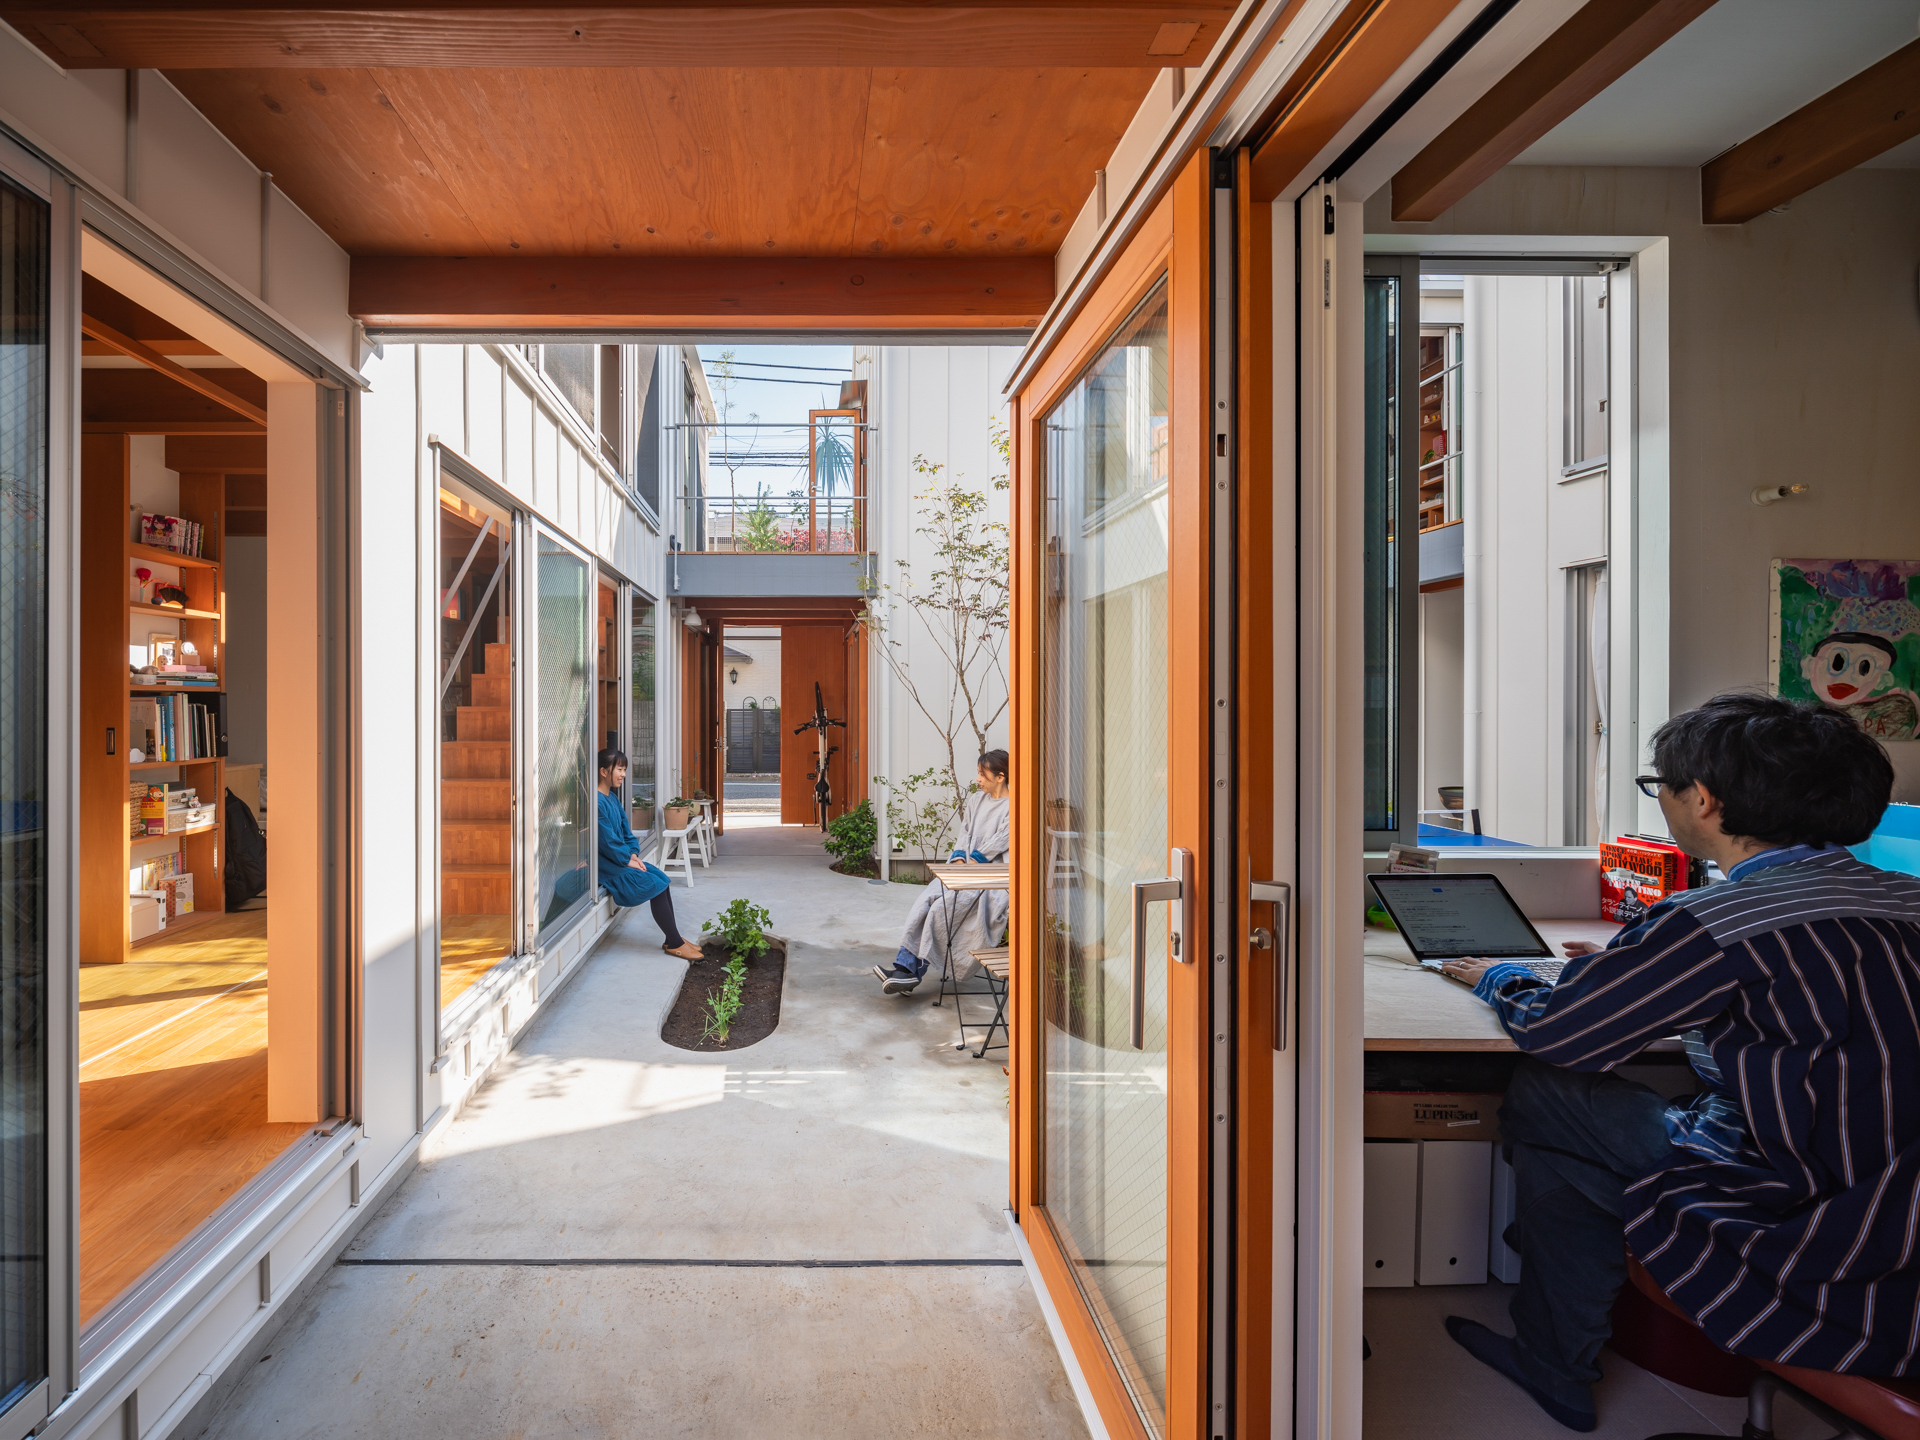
[679,812]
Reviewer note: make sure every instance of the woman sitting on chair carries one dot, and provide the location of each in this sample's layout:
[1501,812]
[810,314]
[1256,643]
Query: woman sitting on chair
[628,878]
[952,923]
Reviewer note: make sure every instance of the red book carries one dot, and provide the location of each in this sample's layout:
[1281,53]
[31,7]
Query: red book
[1636,875]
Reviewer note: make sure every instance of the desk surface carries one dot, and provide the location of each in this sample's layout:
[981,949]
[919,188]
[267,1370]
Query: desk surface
[1408,1008]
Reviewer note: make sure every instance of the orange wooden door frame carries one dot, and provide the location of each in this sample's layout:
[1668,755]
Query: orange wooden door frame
[1175,243]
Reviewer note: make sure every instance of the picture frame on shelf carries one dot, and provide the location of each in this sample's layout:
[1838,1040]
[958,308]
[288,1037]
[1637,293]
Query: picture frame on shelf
[163,648]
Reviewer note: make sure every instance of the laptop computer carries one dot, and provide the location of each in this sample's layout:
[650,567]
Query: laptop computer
[1459,917]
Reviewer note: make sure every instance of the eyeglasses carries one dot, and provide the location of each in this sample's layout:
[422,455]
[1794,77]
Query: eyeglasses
[1649,785]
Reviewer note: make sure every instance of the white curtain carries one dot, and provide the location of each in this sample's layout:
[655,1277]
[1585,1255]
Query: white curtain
[1597,647]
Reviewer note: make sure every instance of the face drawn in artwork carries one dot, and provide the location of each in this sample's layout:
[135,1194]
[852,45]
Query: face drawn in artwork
[1848,667]
[1851,671]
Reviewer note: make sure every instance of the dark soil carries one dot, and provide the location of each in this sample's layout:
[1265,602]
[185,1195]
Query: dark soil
[760,999]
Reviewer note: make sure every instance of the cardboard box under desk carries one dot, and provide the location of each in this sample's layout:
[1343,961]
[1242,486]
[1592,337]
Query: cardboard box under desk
[1431,1115]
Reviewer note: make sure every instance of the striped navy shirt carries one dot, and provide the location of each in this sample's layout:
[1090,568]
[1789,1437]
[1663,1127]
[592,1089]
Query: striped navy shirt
[1788,1221]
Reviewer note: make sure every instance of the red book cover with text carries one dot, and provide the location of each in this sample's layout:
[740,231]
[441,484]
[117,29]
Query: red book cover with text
[1636,875]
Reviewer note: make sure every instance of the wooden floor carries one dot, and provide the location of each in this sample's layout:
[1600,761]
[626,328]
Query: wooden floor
[173,1094]
[470,945]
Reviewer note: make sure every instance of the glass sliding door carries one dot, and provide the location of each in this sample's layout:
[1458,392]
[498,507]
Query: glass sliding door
[643,762]
[476,596]
[563,717]
[1390,560]
[1105,661]
[1116,531]
[25,333]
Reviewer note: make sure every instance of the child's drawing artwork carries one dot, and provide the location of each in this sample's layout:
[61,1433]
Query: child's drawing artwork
[1847,633]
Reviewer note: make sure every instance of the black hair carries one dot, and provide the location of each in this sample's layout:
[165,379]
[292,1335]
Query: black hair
[609,758]
[994,762]
[1784,773]
[1860,637]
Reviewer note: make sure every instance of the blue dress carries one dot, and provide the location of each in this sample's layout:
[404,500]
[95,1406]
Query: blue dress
[618,845]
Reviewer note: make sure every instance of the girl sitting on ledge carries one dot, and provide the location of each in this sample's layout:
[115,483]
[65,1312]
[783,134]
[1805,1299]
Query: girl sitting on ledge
[628,878]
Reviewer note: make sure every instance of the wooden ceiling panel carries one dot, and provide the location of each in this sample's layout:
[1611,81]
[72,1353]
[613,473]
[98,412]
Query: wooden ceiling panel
[695,162]
[618,162]
[336,144]
[986,161]
[145,395]
[165,35]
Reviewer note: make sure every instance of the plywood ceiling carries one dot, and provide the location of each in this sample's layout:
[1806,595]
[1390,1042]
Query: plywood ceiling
[680,162]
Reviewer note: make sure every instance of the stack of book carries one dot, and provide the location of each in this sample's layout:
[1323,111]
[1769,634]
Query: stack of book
[149,875]
[170,532]
[172,728]
[187,677]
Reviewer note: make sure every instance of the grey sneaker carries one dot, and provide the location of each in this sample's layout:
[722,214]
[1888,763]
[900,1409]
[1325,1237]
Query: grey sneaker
[898,983]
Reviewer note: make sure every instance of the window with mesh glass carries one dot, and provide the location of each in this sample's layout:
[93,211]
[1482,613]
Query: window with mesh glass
[571,369]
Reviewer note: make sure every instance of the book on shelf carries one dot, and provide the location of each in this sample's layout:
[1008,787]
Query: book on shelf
[172,728]
[170,532]
[148,876]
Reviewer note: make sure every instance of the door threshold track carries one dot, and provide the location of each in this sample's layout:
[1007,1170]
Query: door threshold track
[642,1262]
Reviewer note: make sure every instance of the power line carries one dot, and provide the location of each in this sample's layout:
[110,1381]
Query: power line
[770,365]
[769,380]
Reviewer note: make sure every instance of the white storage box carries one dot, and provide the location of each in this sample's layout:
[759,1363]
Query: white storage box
[189,817]
[148,913]
[1391,1197]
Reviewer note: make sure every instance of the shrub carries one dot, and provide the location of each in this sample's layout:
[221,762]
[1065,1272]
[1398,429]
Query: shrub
[739,927]
[851,837]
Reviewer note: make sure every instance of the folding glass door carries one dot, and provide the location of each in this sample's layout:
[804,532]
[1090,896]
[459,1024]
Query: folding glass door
[476,598]
[564,732]
[1112,776]
[27,1272]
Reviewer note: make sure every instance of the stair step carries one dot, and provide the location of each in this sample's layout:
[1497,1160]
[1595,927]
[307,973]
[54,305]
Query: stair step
[499,657]
[476,759]
[486,798]
[483,722]
[475,842]
[493,690]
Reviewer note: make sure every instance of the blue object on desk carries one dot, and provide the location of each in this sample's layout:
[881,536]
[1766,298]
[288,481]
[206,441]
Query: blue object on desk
[1440,835]
[1896,844]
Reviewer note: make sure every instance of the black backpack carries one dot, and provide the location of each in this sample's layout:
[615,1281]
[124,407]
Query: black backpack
[246,874]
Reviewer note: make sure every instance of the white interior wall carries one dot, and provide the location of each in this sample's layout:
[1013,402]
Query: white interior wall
[1794,353]
[1441,700]
[190,184]
[940,402]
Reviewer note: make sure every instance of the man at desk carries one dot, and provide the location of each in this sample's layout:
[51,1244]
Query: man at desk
[1780,1206]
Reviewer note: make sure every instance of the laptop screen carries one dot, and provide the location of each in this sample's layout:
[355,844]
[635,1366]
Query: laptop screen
[1444,917]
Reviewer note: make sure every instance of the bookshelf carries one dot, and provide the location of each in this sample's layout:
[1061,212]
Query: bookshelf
[115,625]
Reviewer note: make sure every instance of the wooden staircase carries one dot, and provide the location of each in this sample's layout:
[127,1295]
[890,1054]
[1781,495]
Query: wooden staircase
[476,796]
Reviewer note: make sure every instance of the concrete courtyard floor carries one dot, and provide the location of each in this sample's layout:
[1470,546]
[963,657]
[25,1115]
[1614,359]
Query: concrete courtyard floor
[854,1134]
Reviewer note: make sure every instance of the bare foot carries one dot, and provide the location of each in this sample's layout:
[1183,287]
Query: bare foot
[686,950]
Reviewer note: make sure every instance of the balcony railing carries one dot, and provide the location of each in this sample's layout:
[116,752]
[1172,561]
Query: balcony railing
[772,489]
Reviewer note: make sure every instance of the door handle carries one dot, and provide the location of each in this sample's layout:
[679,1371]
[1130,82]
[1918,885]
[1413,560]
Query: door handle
[1170,888]
[1278,894]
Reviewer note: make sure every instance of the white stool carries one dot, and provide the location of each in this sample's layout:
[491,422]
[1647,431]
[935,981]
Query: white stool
[709,832]
[676,854]
[1063,857]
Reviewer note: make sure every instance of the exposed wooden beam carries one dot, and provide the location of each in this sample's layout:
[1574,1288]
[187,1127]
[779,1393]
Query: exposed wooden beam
[194,380]
[159,347]
[1603,40]
[145,402]
[413,293]
[220,454]
[1353,59]
[164,34]
[172,427]
[1856,120]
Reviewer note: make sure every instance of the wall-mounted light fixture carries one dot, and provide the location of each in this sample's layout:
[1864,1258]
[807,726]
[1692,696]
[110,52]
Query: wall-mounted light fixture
[1773,494]
[693,620]
[733,677]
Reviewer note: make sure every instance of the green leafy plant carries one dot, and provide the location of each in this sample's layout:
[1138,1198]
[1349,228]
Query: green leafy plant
[724,1004]
[740,928]
[852,836]
[760,527]
[922,809]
